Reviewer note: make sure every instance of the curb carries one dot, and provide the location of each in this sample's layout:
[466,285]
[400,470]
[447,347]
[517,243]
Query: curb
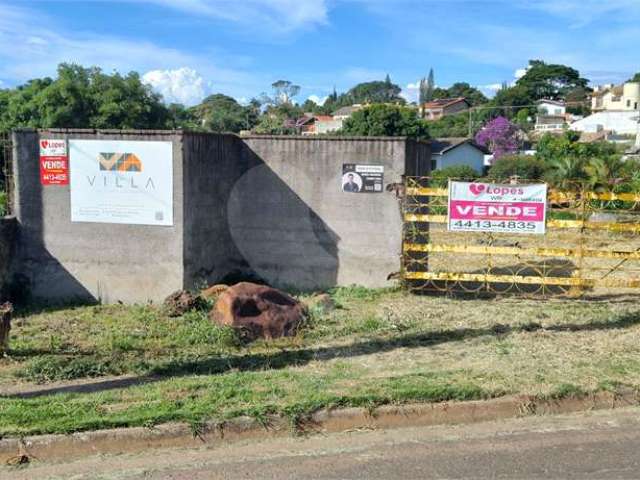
[131,440]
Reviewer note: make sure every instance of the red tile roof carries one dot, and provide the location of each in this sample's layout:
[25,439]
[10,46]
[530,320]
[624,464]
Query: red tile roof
[444,102]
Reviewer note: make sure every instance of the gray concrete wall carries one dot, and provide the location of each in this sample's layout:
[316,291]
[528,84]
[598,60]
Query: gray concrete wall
[7,245]
[269,208]
[65,261]
[295,227]
[212,166]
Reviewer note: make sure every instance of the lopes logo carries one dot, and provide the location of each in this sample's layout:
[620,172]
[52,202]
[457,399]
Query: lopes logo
[479,188]
[119,162]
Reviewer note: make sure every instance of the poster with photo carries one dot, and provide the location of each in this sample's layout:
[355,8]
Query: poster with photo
[362,178]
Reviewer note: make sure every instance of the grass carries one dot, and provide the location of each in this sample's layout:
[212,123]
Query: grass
[377,347]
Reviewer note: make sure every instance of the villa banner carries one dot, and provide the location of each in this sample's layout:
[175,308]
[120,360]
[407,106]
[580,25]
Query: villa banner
[116,181]
[505,208]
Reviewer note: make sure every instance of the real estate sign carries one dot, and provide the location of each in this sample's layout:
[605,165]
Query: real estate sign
[54,162]
[488,207]
[118,181]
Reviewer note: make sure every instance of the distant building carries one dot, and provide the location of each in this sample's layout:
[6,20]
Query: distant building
[446,152]
[551,117]
[345,112]
[617,122]
[442,107]
[555,108]
[623,98]
[312,124]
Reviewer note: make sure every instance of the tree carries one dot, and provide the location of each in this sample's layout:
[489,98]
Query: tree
[553,81]
[221,113]
[524,166]
[635,78]
[567,160]
[500,136]
[284,92]
[422,91]
[373,92]
[462,89]
[385,120]
[430,86]
[450,126]
[578,101]
[84,98]
[517,96]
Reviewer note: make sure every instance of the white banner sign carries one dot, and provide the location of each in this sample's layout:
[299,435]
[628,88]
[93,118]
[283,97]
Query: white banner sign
[118,181]
[488,207]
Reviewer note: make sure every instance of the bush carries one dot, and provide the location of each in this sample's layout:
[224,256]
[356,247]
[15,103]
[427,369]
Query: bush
[3,204]
[524,166]
[385,120]
[440,178]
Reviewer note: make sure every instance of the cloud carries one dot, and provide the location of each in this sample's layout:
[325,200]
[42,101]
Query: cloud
[411,92]
[28,49]
[520,72]
[276,16]
[317,100]
[183,85]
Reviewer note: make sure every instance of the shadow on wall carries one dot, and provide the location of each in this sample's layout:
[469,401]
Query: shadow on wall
[282,240]
[32,254]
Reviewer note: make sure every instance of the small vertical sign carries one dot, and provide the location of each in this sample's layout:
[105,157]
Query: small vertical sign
[54,162]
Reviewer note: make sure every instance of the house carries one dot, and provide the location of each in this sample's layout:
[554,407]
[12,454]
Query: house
[311,124]
[345,112]
[622,98]
[436,109]
[446,152]
[552,116]
[550,123]
[555,108]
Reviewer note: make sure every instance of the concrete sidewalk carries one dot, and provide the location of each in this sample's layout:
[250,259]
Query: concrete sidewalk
[603,444]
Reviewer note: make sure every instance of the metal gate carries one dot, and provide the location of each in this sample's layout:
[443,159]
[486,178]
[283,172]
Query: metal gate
[6,174]
[592,245]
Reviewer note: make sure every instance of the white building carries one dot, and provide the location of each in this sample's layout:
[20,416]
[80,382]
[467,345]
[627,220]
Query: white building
[619,122]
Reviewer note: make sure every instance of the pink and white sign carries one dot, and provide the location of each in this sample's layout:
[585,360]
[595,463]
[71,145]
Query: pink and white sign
[489,207]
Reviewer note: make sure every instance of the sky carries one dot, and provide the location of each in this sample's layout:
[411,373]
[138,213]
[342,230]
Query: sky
[188,49]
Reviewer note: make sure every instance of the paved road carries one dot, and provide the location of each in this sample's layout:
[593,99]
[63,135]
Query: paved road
[596,445]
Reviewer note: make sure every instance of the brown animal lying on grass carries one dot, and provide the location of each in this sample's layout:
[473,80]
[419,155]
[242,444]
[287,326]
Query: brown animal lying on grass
[6,309]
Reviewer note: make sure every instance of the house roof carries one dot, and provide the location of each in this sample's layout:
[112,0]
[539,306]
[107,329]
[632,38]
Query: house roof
[617,90]
[346,111]
[445,102]
[440,146]
[559,103]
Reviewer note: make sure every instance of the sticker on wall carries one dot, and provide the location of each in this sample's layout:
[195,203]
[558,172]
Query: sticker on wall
[54,162]
[362,178]
[115,181]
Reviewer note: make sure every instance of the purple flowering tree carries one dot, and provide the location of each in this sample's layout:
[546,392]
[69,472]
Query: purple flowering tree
[500,136]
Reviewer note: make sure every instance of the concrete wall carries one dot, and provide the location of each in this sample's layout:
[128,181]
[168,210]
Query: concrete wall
[65,261]
[7,244]
[295,226]
[260,207]
[213,164]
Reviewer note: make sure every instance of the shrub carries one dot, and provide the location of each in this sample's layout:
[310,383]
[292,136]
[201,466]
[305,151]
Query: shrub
[524,166]
[440,178]
[3,203]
